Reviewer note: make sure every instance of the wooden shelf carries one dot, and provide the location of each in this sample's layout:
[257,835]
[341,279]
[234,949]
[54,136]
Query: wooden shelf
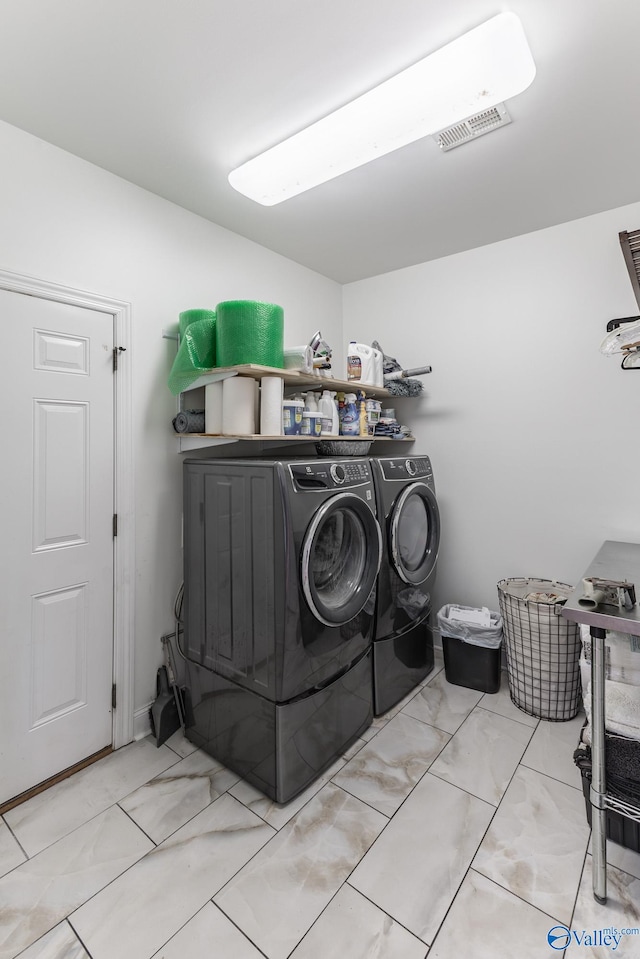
[195,441]
[293,379]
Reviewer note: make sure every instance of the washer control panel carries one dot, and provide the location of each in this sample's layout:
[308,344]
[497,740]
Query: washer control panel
[319,475]
[404,469]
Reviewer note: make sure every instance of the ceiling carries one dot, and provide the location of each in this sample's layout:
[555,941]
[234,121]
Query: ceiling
[173,94]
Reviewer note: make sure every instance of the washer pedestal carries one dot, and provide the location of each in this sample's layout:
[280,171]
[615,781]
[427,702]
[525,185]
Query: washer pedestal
[280,748]
[400,663]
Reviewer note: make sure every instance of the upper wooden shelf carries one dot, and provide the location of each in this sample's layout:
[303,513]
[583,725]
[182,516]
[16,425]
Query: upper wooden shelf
[292,379]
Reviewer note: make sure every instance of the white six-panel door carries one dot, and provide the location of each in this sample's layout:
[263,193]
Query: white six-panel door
[56,506]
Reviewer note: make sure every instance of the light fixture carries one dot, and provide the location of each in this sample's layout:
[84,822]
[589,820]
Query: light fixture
[480,69]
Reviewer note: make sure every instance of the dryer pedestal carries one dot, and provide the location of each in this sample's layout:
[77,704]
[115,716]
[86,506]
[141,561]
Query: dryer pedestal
[400,663]
[280,748]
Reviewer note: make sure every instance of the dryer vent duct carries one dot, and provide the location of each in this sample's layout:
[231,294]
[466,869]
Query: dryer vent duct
[630,243]
[472,128]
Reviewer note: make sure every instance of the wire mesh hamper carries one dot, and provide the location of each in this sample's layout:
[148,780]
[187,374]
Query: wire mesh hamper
[542,648]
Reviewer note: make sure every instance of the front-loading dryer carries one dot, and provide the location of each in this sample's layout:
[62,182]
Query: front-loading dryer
[410,520]
[281,561]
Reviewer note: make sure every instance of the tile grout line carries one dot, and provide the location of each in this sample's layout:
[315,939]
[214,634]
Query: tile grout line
[82,943]
[22,849]
[495,881]
[470,866]
[514,719]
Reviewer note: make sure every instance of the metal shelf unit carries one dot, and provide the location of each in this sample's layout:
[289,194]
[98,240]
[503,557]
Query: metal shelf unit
[620,562]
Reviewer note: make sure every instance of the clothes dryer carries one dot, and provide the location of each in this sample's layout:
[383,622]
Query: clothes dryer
[281,561]
[410,520]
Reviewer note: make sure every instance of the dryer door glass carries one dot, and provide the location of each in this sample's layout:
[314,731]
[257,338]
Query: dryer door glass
[340,559]
[415,533]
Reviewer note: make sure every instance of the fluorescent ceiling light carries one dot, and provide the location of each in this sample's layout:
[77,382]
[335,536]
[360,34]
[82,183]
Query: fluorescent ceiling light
[480,69]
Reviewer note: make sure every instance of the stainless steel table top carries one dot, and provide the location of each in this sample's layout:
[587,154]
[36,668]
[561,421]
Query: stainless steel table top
[617,561]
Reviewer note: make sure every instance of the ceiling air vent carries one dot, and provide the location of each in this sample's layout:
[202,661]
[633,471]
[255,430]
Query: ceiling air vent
[472,127]
[630,243]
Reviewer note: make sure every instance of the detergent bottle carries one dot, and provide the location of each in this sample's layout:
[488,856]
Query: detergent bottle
[363,428]
[327,407]
[361,363]
[349,416]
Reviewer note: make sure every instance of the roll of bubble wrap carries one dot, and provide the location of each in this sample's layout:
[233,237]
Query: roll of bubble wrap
[187,317]
[196,354]
[249,332]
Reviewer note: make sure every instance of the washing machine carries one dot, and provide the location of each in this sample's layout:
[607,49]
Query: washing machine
[410,520]
[281,560]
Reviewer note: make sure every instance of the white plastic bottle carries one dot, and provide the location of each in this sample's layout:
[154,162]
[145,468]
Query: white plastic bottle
[361,363]
[378,362]
[354,362]
[327,407]
[311,402]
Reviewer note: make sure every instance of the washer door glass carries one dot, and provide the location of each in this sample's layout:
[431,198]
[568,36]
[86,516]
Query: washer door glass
[341,557]
[415,533]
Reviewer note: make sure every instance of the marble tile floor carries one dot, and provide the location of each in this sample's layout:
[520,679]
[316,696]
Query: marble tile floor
[455,827]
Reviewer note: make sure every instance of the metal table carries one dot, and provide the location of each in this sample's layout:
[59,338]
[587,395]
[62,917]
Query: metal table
[614,561]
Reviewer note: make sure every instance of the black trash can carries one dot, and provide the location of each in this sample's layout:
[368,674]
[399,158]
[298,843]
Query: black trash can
[472,654]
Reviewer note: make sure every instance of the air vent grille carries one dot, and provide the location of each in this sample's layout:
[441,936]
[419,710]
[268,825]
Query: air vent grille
[473,127]
[630,243]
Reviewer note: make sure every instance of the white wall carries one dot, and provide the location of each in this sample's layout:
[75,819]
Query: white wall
[533,433]
[69,222]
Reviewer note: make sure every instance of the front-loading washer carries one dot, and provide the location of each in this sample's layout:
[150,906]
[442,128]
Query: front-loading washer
[280,565]
[410,521]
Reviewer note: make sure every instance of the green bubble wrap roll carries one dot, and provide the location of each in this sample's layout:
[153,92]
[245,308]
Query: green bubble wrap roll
[197,354]
[187,317]
[249,332]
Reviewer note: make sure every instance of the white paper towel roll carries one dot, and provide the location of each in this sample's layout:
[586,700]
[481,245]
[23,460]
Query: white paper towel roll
[271,393]
[238,406]
[213,408]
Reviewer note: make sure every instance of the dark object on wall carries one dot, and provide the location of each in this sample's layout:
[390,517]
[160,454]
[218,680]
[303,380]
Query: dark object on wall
[630,243]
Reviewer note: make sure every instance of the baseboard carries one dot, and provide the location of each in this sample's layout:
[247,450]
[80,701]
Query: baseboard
[141,723]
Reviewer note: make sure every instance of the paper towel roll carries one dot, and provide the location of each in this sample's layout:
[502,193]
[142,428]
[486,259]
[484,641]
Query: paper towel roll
[238,406]
[213,408]
[271,394]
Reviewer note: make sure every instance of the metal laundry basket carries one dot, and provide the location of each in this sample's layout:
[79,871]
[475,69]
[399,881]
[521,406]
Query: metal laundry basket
[542,648]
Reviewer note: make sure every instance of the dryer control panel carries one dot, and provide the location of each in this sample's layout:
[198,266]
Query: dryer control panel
[406,469]
[328,475]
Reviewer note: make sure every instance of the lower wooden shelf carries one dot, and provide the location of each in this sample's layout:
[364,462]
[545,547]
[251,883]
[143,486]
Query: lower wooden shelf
[195,441]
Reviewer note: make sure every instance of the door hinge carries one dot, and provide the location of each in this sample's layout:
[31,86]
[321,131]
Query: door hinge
[116,350]
[113,696]
[115,525]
